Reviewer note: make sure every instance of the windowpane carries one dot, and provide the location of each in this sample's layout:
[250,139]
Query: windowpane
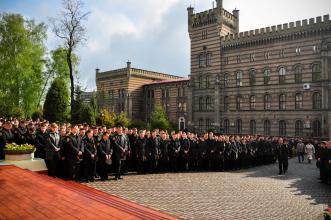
[266,76]
[282,75]
[282,102]
[299,128]
[238,103]
[298,101]
[239,126]
[317,101]
[317,129]
[239,77]
[316,71]
[252,77]
[267,127]
[267,102]
[282,128]
[252,126]
[298,74]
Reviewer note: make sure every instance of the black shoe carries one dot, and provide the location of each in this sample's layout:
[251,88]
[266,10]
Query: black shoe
[280,173]
[120,178]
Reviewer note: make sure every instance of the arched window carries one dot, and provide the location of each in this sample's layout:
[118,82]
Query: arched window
[252,127]
[238,102]
[299,128]
[200,82]
[298,73]
[282,75]
[282,102]
[239,126]
[266,76]
[316,72]
[202,60]
[252,102]
[239,77]
[201,104]
[226,103]
[226,126]
[267,127]
[317,101]
[207,82]
[282,128]
[298,101]
[226,80]
[208,104]
[252,77]
[208,124]
[317,128]
[267,102]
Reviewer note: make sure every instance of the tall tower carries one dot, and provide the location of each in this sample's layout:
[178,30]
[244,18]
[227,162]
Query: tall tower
[205,31]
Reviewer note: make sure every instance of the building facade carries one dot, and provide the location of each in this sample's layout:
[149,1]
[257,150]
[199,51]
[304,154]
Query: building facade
[269,81]
[121,90]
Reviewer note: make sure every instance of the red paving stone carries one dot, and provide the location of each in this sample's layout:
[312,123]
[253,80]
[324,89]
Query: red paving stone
[28,195]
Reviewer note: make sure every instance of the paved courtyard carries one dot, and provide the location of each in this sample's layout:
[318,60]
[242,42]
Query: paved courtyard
[256,193]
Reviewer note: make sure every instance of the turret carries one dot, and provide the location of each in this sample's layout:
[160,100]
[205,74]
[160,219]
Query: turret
[235,13]
[219,4]
[190,12]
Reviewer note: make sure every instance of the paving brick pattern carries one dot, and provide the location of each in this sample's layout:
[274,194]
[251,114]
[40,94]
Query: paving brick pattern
[256,193]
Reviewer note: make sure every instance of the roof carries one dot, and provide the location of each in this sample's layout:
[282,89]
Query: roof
[167,81]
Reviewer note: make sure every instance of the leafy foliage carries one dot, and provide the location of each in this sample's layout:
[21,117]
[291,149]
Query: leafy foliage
[56,106]
[21,63]
[160,120]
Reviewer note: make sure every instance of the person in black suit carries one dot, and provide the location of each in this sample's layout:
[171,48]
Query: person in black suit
[89,156]
[282,154]
[6,137]
[141,149]
[74,153]
[153,152]
[41,141]
[119,151]
[20,133]
[105,151]
[52,150]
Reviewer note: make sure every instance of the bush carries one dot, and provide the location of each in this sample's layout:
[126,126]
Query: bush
[37,115]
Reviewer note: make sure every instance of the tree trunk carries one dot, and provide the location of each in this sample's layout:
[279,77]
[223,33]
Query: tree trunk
[72,83]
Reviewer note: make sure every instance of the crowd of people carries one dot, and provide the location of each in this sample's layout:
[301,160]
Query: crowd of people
[84,153]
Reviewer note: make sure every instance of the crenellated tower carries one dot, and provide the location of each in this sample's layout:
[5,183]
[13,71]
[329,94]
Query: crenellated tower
[205,30]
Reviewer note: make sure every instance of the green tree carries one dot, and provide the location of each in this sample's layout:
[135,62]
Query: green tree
[78,106]
[21,63]
[87,115]
[121,120]
[56,106]
[160,120]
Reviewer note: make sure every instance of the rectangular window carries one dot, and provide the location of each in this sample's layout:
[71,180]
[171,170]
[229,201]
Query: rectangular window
[282,53]
[252,57]
[239,78]
[298,51]
[266,55]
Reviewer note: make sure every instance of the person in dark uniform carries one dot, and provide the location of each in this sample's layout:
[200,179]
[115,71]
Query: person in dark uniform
[62,171]
[220,151]
[153,152]
[20,133]
[104,154]
[323,161]
[164,156]
[202,149]
[282,154]
[184,152]
[89,156]
[6,137]
[132,162]
[141,152]
[31,135]
[74,154]
[119,151]
[41,141]
[52,150]
[211,150]
[174,152]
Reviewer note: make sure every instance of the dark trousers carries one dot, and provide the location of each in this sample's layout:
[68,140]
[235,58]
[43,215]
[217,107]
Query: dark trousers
[140,166]
[301,157]
[283,165]
[52,166]
[117,166]
[73,169]
[89,169]
[103,169]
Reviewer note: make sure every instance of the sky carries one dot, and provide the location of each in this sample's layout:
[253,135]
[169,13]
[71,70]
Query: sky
[152,34]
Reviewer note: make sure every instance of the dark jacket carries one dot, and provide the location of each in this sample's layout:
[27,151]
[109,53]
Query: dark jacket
[53,141]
